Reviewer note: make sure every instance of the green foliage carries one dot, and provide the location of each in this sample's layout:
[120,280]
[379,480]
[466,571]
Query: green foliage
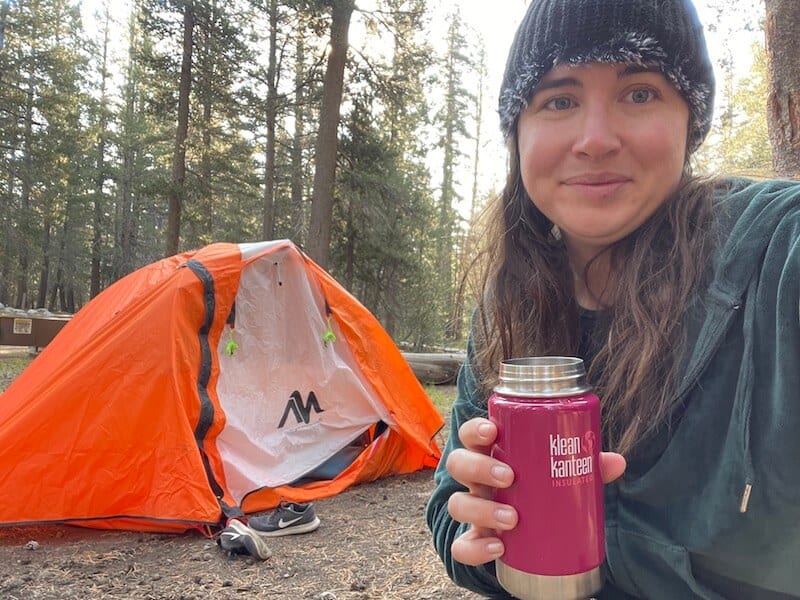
[385,234]
[10,368]
[453,119]
[381,228]
[739,141]
[442,397]
[42,138]
[221,189]
[87,139]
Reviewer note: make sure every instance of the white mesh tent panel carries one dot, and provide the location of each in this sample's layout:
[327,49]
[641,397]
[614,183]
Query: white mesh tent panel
[268,386]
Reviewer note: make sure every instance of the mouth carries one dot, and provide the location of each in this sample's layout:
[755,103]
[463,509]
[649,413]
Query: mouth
[597,179]
[597,185]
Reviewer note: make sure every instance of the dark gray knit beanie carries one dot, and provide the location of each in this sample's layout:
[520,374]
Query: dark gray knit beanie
[665,34]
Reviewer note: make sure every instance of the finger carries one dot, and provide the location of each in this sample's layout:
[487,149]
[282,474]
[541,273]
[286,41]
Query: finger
[473,470]
[612,465]
[476,547]
[477,434]
[480,512]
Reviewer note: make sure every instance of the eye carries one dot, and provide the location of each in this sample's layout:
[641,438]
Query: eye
[641,95]
[559,103]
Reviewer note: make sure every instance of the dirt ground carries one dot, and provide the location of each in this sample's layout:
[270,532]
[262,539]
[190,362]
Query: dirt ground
[372,544]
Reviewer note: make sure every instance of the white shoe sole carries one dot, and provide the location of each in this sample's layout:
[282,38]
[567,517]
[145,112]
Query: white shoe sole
[251,540]
[291,530]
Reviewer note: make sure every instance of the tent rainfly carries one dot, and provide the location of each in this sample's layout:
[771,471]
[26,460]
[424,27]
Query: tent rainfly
[207,385]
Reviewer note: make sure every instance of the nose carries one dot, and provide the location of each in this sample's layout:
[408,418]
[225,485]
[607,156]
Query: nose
[597,136]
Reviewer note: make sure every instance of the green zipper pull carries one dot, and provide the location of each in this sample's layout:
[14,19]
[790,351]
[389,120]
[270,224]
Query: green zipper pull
[328,336]
[231,346]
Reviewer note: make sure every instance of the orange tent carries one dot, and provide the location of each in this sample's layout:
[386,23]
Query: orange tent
[205,385]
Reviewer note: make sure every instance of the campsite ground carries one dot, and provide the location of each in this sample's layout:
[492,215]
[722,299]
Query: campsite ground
[372,544]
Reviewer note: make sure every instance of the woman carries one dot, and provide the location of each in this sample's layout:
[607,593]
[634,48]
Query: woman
[680,294]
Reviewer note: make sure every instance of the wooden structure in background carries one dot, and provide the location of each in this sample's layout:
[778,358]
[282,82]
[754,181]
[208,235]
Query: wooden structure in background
[30,330]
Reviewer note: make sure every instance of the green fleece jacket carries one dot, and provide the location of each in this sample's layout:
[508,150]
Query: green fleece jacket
[721,493]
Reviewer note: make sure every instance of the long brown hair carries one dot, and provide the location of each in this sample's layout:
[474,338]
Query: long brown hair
[527,305]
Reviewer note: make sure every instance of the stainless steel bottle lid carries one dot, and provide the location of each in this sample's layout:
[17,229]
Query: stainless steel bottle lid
[542,376]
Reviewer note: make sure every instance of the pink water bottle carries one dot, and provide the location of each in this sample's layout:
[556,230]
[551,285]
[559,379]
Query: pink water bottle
[548,432]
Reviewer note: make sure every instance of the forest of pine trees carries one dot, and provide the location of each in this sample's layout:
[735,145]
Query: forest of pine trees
[246,120]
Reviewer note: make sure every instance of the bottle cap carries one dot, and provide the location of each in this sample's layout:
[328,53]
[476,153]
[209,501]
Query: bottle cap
[542,376]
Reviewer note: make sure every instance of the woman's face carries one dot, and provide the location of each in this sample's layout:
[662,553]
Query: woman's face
[601,147]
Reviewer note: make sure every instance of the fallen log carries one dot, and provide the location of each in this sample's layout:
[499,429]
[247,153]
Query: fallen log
[435,368]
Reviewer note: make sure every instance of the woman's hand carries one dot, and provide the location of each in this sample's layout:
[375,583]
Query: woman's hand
[472,467]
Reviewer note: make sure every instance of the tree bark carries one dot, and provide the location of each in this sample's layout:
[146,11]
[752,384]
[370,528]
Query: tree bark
[298,212]
[268,224]
[44,270]
[177,190]
[206,73]
[95,277]
[125,232]
[783,100]
[3,20]
[5,251]
[319,235]
[57,289]
[436,369]
[26,178]
[444,241]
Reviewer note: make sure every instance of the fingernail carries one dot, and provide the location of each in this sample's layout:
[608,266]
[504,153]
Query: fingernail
[484,430]
[504,515]
[502,474]
[494,548]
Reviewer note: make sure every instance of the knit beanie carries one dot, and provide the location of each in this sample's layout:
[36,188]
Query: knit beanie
[662,34]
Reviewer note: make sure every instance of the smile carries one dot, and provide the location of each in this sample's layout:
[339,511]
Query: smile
[598,185]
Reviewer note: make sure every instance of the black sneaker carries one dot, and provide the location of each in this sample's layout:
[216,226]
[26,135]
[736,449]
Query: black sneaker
[289,518]
[238,538]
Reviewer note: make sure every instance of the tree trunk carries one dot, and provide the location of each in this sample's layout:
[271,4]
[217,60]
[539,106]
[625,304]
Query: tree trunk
[268,221]
[207,226]
[44,272]
[478,137]
[298,213]
[350,249]
[783,101]
[207,64]
[57,290]
[65,260]
[71,300]
[26,177]
[3,20]
[455,326]
[9,224]
[444,242]
[94,282]
[124,227]
[5,250]
[177,190]
[268,224]
[132,225]
[319,235]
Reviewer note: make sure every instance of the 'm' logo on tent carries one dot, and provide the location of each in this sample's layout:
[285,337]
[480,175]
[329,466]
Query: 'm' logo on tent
[301,411]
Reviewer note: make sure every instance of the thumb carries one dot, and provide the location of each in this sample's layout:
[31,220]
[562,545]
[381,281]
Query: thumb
[612,465]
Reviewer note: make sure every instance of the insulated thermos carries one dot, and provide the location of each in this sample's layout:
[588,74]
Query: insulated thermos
[548,432]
